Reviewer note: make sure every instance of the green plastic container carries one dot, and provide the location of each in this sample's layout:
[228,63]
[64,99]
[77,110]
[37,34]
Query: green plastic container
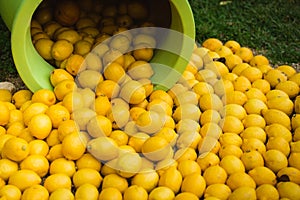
[35,71]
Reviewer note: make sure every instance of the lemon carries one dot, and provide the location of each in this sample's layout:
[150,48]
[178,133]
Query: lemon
[231,124]
[24,179]
[133,92]
[233,110]
[36,163]
[293,160]
[210,129]
[240,179]
[258,60]
[207,159]
[295,121]
[55,152]
[252,74]
[187,111]
[289,87]
[243,193]
[82,116]
[5,114]
[288,190]
[185,195]
[7,168]
[296,134]
[43,47]
[232,164]
[110,193]
[233,45]
[245,54]
[61,193]
[10,192]
[115,181]
[263,175]
[242,84]
[99,126]
[262,85]
[272,116]
[147,180]
[89,78]
[161,192]
[232,60]
[135,192]
[20,97]
[114,72]
[187,125]
[234,97]
[280,144]
[210,116]
[252,159]
[254,106]
[254,120]
[187,167]
[40,126]
[194,183]
[218,190]
[281,103]
[201,88]
[278,130]
[63,88]
[230,149]
[16,149]
[45,96]
[230,138]
[210,101]
[253,144]
[239,68]
[6,95]
[149,122]
[275,76]
[35,192]
[86,175]
[62,165]
[207,144]
[267,191]
[103,148]
[254,132]
[128,163]
[56,181]
[87,191]
[214,174]
[212,43]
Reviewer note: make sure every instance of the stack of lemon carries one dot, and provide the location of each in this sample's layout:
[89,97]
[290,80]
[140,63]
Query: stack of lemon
[228,129]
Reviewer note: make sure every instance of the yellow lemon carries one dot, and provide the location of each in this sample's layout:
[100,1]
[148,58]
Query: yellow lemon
[61,193]
[233,110]
[215,174]
[212,43]
[57,114]
[230,149]
[231,124]
[62,165]
[55,152]
[279,143]
[24,179]
[163,95]
[82,116]
[259,60]
[88,161]
[99,126]
[5,114]
[43,47]
[210,116]
[137,140]
[185,195]
[234,97]
[135,192]
[245,54]
[44,96]
[210,101]
[289,87]
[208,159]
[294,160]
[272,116]
[194,183]
[288,70]
[267,191]
[201,88]
[218,190]
[114,72]
[252,159]
[275,160]
[242,84]
[10,192]
[230,138]
[35,192]
[7,168]
[240,179]
[278,130]
[36,163]
[63,88]
[255,144]
[40,126]
[103,148]
[232,164]
[243,193]
[115,181]
[15,149]
[262,85]
[147,180]
[263,175]
[58,75]
[133,92]
[254,132]
[156,148]
[275,76]
[66,127]
[149,122]
[102,105]
[128,163]
[288,190]
[252,74]
[187,167]
[87,175]
[254,93]
[73,145]
[56,181]
[233,45]
[290,173]
[87,191]
[172,179]
[239,68]
[254,106]
[223,51]
[187,111]
[232,60]
[254,120]
[110,194]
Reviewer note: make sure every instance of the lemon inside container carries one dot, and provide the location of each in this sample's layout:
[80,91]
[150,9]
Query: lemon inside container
[35,71]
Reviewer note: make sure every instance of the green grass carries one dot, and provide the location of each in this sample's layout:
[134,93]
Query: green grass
[271,28]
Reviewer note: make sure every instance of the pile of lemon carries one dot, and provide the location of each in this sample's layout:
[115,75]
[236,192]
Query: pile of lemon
[228,129]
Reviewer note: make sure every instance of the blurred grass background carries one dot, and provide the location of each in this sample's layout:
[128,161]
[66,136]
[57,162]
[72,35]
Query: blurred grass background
[271,28]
